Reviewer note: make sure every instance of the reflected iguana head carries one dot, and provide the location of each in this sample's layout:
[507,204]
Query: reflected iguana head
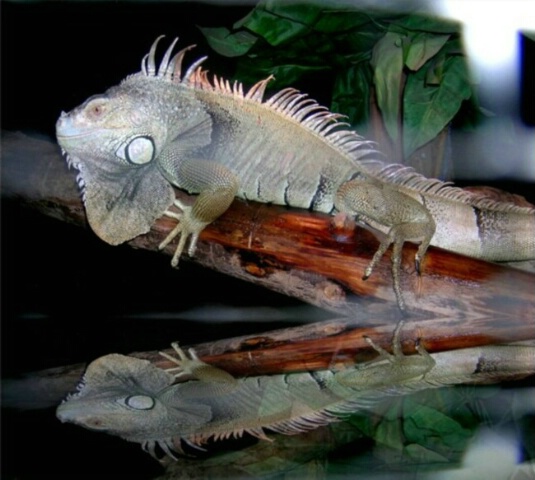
[135,400]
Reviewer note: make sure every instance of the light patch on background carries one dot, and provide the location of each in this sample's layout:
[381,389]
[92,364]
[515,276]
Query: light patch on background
[503,146]
[493,454]
[491,28]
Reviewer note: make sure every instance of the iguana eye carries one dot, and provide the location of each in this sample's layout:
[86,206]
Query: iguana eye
[138,151]
[96,108]
[139,402]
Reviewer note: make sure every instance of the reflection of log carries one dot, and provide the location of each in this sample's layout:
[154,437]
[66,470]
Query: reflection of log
[299,253]
[329,344]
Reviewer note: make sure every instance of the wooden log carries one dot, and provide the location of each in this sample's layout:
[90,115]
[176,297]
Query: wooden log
[303,254]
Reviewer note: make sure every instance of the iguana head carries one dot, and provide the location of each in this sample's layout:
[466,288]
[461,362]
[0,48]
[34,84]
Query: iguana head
[135,400]
[117,141]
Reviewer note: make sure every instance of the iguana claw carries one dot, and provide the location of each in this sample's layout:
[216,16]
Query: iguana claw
[185,364]
[189,365]
[188,226]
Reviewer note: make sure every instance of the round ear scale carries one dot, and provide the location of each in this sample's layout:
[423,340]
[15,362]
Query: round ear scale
[140,150]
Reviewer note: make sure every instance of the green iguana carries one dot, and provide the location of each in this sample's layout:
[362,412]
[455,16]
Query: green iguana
[160,128]
[139,402]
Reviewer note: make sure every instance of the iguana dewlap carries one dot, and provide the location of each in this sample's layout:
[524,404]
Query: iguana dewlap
[160,128]
[139,402]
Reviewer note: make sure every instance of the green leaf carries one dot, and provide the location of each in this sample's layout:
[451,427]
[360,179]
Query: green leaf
[427,109]
[229,44]
[338,21]
[359,42]
[387,62]
[351,93]
[429,24]
[363,422]
[454,46]
[422,455]
[279,22]
[427,426]
[306,13]
[389,434]
[273,29]
[285,74]
[423,46]
[435,71]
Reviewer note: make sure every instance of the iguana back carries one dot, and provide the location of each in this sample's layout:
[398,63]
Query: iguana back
[288,150]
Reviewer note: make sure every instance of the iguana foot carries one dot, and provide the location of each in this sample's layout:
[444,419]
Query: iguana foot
[189,365]
[217,187]
[419,364]
[188,226]
[185,365]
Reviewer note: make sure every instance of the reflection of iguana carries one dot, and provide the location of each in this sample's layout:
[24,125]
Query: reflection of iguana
[139,402]
[160,128]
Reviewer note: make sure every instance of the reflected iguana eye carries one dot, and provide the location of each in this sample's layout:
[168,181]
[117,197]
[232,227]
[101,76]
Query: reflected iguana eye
[139,402]
[138,151]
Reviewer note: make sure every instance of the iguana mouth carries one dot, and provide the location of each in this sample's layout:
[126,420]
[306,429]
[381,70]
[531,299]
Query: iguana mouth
[66,414]
[77,135]
[67,129]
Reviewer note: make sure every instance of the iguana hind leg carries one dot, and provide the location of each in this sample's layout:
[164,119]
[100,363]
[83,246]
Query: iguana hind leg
[389,368]
[385,208]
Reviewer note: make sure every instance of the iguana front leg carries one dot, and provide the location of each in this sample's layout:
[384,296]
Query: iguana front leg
[217,186]
[212,380]
[385,208]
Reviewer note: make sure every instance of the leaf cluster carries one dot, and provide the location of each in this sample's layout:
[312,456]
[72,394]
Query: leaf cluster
[432,429]
[410,65]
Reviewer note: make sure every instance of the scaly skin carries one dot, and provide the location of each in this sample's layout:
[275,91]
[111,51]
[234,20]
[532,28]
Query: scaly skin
[159,129]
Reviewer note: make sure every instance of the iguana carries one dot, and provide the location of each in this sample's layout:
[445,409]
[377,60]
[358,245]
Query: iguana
[139,402]
[160,128]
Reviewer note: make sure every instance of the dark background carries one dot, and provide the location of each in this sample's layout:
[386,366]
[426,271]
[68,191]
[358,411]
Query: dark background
[67,296]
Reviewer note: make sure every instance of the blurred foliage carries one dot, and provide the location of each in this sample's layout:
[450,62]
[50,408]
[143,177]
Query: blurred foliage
[416,436]
[429,432]
[411,66]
